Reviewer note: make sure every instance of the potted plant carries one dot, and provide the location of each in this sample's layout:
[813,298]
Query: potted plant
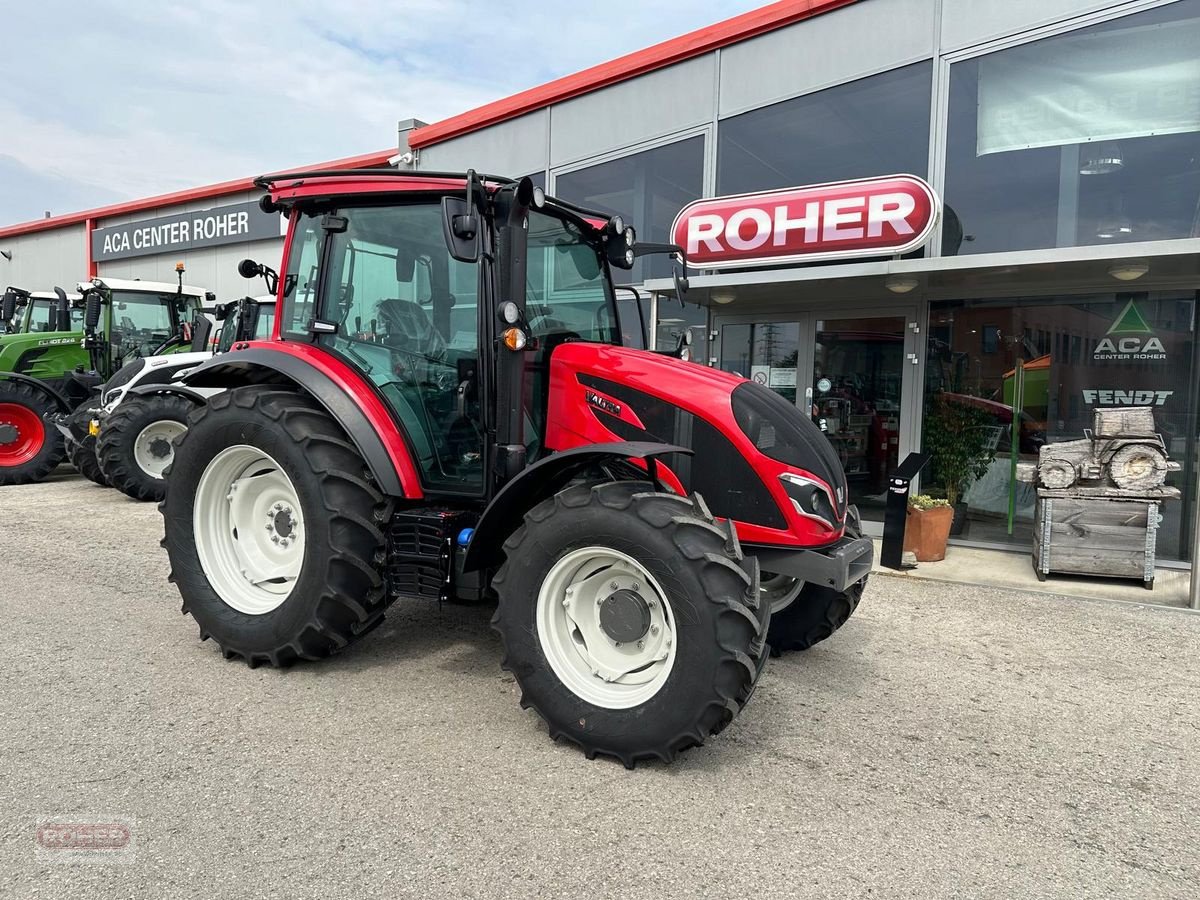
[927,527]
[958,437]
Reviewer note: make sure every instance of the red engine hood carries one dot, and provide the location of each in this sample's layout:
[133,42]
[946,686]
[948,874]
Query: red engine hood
[600,393]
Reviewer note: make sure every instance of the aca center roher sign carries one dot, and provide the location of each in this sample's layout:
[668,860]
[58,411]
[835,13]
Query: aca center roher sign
[865,217]
[228,224]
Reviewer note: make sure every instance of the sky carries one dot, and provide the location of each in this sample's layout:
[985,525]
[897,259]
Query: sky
[107,100]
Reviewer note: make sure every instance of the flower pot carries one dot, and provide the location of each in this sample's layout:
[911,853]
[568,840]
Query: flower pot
[926,532]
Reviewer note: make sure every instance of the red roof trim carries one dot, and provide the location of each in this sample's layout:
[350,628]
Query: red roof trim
[696,43]
[187,196]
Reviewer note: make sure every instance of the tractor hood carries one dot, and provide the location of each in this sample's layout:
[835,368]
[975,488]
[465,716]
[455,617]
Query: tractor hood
[756,458]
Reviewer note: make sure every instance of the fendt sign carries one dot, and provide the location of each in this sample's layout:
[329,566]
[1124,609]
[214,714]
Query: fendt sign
[866,217]
[229,224]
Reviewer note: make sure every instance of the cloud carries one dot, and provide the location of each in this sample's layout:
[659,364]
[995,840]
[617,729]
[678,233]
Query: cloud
[116,101]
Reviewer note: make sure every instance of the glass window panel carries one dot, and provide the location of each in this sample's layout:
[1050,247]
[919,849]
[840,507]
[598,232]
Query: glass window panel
[873,126]
[647,189]
[1117,349]
[1090,137]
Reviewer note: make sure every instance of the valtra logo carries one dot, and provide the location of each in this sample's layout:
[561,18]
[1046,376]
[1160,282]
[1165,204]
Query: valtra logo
[866,217]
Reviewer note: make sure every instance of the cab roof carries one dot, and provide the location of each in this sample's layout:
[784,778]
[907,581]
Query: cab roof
[150,287]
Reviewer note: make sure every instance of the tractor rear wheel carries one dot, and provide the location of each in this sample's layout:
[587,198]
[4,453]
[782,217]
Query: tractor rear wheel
[274,528]
[630,620]
[83,453]
[29,449]
[136,443]
[814,613]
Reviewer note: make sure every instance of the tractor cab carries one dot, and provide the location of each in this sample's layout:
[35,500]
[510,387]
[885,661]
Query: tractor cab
[126,320]
[38,312]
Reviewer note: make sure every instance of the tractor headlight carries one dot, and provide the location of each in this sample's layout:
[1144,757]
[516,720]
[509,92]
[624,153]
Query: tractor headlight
[810,498]
[509,312]
[630,236]
[616,225]
[629,257]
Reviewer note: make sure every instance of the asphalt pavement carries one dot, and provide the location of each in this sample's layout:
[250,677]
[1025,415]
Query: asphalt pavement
[949,741]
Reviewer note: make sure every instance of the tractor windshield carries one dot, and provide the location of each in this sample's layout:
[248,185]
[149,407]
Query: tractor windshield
[141,321]
[568,295]
[41,315]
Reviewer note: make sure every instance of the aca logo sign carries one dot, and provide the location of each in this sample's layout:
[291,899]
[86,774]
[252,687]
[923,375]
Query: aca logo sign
[1130,338]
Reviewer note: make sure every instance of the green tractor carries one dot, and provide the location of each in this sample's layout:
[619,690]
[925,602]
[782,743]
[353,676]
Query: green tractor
[50,374]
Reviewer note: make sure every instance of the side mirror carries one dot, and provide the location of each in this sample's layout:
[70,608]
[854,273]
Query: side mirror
[8,307]
[248,268]
[460,226]
[91,311]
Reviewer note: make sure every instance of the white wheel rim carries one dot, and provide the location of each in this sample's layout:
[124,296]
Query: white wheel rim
[780,591]
[586,660]
[249,530]
[154,447]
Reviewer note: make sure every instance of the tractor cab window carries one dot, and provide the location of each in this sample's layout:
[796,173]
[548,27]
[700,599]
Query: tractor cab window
[567,298]
[300,280]
[406,316]
[141,322]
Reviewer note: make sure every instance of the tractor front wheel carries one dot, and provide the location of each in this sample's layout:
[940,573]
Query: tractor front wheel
[630,620]
[813,612]
[82,453]
[136,443]
[274,528]
[29,449]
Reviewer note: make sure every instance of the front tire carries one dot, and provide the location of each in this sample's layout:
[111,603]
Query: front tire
[29,450]
[630,620]
[274,528]
[83,453]
[814,613]
[136,443]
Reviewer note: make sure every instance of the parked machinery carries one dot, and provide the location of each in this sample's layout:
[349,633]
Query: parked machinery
[53,373]
[446,410]
[144,407]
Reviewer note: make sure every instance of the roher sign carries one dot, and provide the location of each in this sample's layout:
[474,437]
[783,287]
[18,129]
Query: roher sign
[229,224]
[843,219]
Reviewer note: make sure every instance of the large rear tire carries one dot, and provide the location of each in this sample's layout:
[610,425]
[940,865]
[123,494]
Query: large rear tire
[274,528]
[83,453]
[815,613]
[630,620]
[136,443]
[29,449]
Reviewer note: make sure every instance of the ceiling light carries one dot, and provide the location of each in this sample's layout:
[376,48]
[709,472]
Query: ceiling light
[1103,159]
[723,297]
[1128,271]
[900,284]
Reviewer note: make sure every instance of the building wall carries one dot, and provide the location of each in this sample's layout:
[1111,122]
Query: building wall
[212,268]
[45,259]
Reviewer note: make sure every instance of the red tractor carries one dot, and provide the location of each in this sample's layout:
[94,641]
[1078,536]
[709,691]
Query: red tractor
[446,410]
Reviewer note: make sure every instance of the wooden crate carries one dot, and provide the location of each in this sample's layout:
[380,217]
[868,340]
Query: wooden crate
[1114,537]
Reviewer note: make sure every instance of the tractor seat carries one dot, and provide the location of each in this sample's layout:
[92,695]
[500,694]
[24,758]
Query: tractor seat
[407,326]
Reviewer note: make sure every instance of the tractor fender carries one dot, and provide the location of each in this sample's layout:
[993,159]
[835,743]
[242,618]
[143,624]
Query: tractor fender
[262,366]
[539,482]
[181,390]
[64,405]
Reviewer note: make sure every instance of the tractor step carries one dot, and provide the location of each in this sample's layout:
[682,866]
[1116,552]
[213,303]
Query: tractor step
[423,550]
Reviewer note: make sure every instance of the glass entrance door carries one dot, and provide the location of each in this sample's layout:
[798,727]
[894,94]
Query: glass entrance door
[856,396]
[849,371]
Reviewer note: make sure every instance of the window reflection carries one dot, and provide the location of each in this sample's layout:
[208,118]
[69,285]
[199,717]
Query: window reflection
[1090,137]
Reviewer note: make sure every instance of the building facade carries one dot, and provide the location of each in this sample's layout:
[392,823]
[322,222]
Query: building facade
[1062,136]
